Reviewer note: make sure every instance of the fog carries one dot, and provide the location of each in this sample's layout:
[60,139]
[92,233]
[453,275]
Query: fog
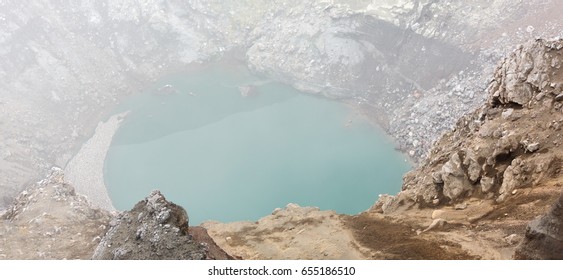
[413,67]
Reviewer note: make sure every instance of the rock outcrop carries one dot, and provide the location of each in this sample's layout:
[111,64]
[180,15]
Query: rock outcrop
[50,221]
[531,71]
[544,236]
[154,229]
[511,142]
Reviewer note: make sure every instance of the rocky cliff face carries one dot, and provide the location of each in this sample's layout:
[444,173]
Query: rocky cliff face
[511,142]
[506,152]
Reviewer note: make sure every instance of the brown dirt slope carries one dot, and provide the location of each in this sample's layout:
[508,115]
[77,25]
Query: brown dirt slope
[49,221]
[501,165]
[388,239]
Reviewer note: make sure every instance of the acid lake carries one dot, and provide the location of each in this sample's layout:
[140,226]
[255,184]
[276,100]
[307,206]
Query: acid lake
[225,156]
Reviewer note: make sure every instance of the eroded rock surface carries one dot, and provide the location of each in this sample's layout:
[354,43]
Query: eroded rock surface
[50,221]
[544,236]
[293,232]
[154,229]
[511,142]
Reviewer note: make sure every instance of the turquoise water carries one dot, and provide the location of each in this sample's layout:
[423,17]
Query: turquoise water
[226,157]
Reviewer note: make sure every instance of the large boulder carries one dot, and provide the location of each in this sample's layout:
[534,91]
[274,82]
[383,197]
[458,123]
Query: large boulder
[526,72]
[455,180]
[527,172]
[544,236]
[154,229]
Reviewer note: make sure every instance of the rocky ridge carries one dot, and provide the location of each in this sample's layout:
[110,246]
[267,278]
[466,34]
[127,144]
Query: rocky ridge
[293,232]
[497,149]
[50,221]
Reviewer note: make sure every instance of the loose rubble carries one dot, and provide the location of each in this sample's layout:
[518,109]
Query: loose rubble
[50,221]
[85,170]
[490,153]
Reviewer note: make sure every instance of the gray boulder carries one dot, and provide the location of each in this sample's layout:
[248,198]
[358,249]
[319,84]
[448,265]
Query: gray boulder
[154,229]
[455,181]
[544,236]
[473,167]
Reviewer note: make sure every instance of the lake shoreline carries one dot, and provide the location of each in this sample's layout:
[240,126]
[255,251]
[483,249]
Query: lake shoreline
[312,147]
[86,169]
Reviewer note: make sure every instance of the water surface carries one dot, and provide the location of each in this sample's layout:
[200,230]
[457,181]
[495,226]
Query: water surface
[226,157]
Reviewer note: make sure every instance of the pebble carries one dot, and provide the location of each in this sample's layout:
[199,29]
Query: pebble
[507,113]
[539,96]
[437,213]
[513,239]
[436,223]
[113,223]
[461,206]
[276,211]
[532,147]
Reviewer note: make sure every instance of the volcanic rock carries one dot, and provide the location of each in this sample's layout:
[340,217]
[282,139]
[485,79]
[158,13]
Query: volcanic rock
[544,236]
[154,229]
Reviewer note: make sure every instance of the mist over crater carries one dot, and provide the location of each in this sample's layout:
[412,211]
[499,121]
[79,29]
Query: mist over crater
[411,66]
